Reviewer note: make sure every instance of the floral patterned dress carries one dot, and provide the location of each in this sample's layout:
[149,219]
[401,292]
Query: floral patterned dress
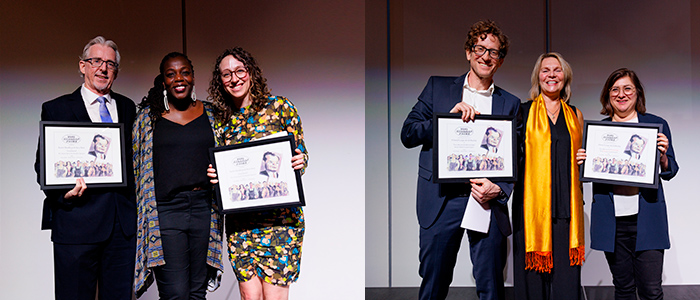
[268,243]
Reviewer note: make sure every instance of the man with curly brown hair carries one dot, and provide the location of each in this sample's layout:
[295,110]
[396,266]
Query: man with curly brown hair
[441,207]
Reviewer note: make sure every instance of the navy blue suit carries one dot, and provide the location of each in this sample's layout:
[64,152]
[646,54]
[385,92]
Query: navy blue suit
[93,235]
[634,245]
[652,222]
[440,207]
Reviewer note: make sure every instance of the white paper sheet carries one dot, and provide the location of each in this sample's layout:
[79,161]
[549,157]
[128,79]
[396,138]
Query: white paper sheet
[476,217]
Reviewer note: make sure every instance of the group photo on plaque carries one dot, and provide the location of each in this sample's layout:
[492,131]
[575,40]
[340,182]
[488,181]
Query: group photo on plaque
[257,175]
[74,150]
[479,149]
[618,152]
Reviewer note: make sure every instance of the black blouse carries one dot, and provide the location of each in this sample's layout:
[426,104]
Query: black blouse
[561,167]
[181,156]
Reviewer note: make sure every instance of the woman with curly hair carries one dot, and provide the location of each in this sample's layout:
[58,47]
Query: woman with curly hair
[179,234]
[265,246]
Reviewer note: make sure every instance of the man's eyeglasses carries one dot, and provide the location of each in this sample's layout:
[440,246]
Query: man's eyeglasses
[97,62]
[628,90]
[480,50]
[228,75]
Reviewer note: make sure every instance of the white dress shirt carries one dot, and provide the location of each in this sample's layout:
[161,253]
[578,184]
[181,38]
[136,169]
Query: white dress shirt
[476,217]
[93,107]
[480,100]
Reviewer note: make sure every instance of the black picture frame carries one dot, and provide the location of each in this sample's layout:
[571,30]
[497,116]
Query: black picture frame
[245,183]
[462,151]
[70,150]
[613,154]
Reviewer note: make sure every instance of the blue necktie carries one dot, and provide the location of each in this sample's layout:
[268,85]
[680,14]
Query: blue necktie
[104,113]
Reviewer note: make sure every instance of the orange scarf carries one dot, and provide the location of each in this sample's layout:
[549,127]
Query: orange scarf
[537,202]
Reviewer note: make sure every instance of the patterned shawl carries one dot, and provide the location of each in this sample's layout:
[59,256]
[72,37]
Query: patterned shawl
[149,250]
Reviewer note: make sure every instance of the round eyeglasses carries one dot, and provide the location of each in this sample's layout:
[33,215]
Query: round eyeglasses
[228,75]
[628,90]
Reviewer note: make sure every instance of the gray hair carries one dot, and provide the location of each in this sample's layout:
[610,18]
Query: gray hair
[100,40]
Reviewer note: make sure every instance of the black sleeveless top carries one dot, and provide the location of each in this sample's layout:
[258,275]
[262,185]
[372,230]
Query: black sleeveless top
[561,167]
[181,156]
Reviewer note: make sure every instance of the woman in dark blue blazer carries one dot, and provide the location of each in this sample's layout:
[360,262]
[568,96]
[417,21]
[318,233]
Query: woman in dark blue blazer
[630,223]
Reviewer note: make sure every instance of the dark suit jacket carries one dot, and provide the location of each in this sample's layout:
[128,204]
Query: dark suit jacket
[652,221]
[439,96]
[90,218]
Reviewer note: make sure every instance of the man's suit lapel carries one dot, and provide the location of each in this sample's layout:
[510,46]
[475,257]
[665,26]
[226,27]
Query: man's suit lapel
[121,108]
[497,103]
[456,90]
[77,106]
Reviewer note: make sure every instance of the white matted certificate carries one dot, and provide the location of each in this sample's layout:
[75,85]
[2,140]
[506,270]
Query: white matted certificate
[71,150]
[621,153]
[257,175]
[483,148]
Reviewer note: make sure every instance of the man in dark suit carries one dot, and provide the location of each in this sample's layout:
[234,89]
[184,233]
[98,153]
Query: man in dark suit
[441,207]
[93,229]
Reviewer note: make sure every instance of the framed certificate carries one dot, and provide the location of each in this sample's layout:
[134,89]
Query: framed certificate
[484,148]
[621,153]
[70,150]
[257,175]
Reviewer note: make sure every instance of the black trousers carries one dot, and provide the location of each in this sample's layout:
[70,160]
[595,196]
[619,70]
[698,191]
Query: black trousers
[634,272]
[78,268]
[184,229]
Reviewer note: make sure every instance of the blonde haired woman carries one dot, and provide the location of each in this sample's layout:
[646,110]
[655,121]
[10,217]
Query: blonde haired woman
[548,241]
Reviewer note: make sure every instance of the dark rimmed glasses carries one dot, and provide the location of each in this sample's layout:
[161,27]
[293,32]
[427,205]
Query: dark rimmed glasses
[480,50]
[239,73]
[96,62]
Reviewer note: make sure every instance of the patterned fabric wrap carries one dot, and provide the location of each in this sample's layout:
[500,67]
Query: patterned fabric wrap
[149,250]
[268,243]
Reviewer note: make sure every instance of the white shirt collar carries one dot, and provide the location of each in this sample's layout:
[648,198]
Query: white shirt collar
[487,92]
[89,97]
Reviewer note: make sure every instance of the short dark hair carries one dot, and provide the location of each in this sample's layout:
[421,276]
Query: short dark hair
[269,153]
[94,139]
[491,129]
[615,76]
[479,31]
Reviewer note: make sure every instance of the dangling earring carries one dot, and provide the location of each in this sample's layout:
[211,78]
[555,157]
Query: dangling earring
[165,100]
[194,96]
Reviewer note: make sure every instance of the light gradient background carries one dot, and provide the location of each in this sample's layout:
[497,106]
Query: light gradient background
[310,51]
